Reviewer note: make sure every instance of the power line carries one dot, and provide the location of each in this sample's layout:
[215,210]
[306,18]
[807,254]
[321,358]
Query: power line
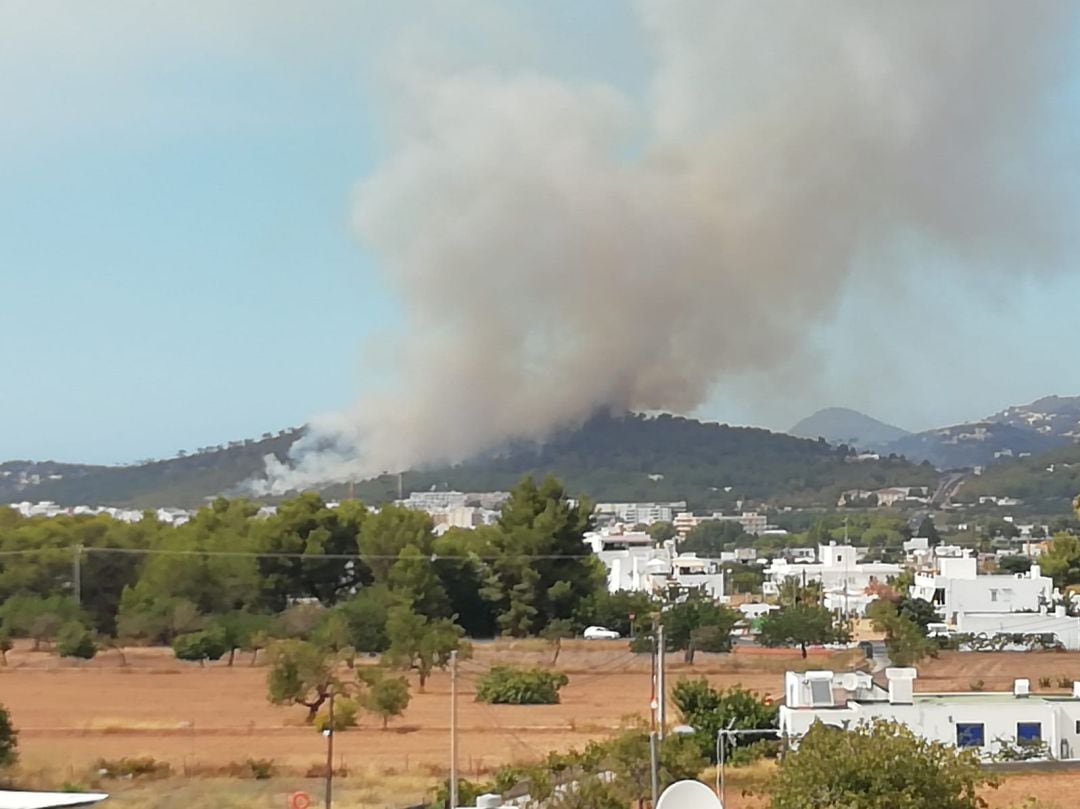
[373,557]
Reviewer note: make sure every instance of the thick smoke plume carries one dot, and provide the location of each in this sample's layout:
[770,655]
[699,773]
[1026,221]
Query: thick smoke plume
[561,248]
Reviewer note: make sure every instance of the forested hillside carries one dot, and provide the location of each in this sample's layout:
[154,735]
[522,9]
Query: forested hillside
[667,457]
[186,481]
[1049,480]
[629,457]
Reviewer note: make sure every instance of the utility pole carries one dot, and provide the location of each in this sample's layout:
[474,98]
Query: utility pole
[654,768]
[453,732]
[76,573]
[330,751]
[661,696]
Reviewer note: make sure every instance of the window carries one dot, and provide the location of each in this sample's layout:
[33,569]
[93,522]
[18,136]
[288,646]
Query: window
[970,734]
[1078,725]
[939,596]
[1028,732]
[821,692]
[993,595]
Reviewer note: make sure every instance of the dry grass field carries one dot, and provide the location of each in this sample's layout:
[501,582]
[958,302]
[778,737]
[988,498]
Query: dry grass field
[203,719]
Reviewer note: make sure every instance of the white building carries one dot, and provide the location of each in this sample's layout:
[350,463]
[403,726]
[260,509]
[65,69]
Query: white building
[1064,628]
[641,513]
[751,521]
[842,577]
[434,501]
[955,587]
[634,562]
[984,721]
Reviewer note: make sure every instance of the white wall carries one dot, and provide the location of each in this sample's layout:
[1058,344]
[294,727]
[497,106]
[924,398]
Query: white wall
[1066,629]
[936,718]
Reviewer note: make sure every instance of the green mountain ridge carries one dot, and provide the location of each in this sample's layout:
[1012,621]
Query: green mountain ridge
[629,457]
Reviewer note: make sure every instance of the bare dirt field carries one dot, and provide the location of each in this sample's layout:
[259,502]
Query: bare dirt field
[201,719]
[962,671]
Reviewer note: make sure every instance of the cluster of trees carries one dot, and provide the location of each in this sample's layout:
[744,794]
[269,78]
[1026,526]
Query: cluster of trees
[230,579]
[904,622]
[872,765]
[708,710]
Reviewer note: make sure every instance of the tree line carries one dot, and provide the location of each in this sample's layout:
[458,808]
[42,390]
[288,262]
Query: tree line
[308,568]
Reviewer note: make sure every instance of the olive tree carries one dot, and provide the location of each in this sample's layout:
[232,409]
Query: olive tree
[876,765]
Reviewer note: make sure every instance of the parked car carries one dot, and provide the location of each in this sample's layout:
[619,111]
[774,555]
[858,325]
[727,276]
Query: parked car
[600,633]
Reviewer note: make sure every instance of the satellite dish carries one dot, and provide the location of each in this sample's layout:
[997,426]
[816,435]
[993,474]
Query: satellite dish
[688,795]
[850,681]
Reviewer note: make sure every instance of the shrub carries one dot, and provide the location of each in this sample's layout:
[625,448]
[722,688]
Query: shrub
[344,715]
[1064,682]
[75,640]
[137,767]
[319,771]
[976,685]
[261,768]
[1044,682]
[207,644]
[506,685]
[9,739]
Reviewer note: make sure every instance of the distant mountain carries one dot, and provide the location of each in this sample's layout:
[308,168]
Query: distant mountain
[1015,432]
[1057,416]
[840,425]
[978,444]
[628,457]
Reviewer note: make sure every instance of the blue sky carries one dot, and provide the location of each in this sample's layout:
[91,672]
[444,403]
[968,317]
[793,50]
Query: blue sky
[177,266]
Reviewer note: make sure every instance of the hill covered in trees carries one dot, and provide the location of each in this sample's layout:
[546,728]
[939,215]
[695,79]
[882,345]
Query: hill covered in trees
[187,480]
[631,457]
[635,457]
[1048,481]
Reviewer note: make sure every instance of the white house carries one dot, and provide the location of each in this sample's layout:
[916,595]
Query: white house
[634,562]
[956,587]
[842,577]
[984,721]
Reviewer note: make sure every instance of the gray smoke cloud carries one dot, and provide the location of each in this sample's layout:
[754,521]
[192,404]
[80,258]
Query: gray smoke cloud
[563,247]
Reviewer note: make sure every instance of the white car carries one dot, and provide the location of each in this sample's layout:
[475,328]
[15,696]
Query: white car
[600,633]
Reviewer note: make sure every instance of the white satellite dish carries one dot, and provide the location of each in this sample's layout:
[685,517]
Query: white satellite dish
[688,795]
[850,681]
[11,799]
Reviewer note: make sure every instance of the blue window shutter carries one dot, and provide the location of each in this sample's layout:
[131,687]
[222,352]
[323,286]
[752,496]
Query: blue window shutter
[970,734]
[1029,731]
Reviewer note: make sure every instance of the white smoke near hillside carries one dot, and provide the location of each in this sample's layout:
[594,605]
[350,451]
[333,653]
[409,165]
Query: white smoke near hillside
[562,248]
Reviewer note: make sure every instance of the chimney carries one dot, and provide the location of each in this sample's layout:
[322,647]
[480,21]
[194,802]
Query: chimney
[1035,571]
[901,685]
[1021,687]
